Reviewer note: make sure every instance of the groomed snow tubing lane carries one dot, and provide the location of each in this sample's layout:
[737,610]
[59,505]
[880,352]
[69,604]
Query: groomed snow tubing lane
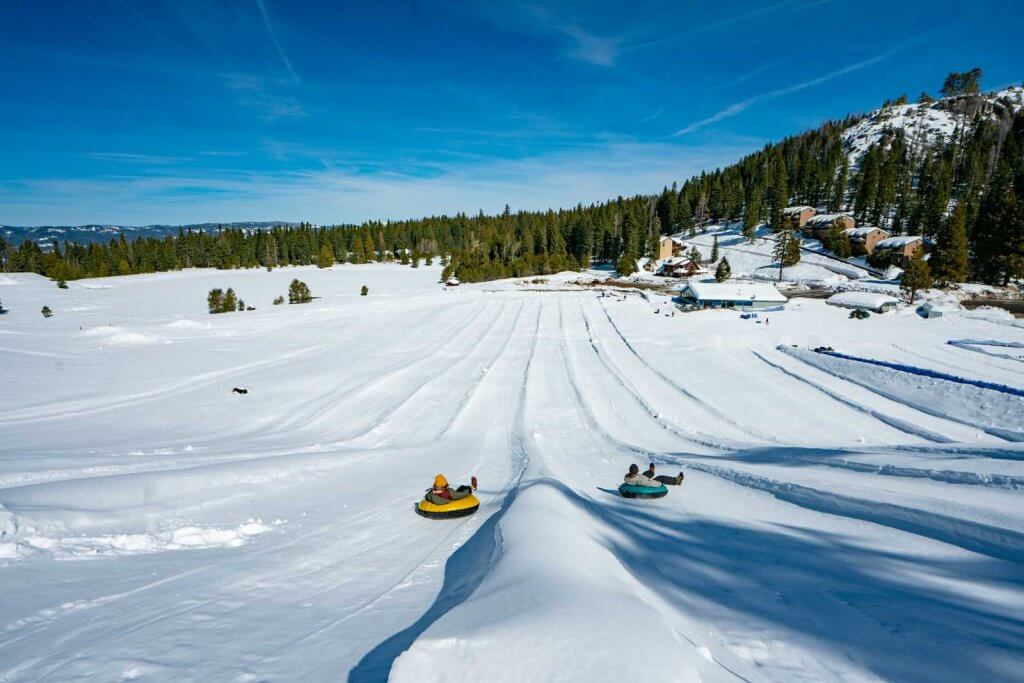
[457,508]
[630,491]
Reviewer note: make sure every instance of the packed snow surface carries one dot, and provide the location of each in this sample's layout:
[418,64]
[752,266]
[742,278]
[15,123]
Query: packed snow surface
[840,520]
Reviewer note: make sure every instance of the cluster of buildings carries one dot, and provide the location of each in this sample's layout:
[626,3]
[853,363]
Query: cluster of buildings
[865,240]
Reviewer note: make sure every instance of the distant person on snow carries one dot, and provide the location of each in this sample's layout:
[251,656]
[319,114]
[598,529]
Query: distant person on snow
[664,478]
[634,478]
[442,494]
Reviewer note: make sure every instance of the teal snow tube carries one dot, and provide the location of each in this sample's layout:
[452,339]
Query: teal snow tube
[630,491]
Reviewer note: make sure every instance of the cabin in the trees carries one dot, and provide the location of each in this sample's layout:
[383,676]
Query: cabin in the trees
[681,266]
[817,226]
[864,239]
[669,247]
[748,296]
[901,248]
[798,215]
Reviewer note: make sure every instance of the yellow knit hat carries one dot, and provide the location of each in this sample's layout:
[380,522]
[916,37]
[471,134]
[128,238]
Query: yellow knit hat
[440,482]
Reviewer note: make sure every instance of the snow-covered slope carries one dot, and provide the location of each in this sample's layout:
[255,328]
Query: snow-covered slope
[839,521]
[925,125]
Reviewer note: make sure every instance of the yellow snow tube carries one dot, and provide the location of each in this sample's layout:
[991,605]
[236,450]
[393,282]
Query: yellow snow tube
[457,508]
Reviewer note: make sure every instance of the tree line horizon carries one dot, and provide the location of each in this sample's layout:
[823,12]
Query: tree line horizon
[900,185]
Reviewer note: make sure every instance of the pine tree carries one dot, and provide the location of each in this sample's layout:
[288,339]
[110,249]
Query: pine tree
[787,250]
[916,275]
[326,256]
[230,301]
[714,250]
[838,200]
[837,241]
[949,261]
[298,292]
[695,255]
[724,271]
[752,213]
[780,192]
[364,290]
[278,300]
[215,300]
[626,265]
[241,305]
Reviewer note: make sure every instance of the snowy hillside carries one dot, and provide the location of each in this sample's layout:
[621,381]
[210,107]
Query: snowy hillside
[854,516]
[926,125]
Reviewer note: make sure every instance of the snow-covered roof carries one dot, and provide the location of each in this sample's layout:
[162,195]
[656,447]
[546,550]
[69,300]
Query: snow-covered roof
[734,291]
[898,242]
[825,218]
[872,300]
[863,231]
[790,210]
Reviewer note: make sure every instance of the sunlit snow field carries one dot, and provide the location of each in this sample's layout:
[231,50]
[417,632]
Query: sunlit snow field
[839,521]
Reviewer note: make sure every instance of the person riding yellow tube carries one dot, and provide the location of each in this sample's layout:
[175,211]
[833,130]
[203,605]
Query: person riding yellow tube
[443,502]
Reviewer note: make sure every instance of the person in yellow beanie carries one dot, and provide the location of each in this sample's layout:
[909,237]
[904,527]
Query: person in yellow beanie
[442,494]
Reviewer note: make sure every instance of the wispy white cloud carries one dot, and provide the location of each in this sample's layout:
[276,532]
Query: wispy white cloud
[743,105]
[256,93]
[585,45]
[651,117]
[347,193]
[277,43]
[783,6]
[743,78]
[137,158]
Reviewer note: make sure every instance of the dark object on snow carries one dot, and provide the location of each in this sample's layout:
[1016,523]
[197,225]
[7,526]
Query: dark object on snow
[666,479]
[822,349]
[238,390]
[859,314]
[630,491]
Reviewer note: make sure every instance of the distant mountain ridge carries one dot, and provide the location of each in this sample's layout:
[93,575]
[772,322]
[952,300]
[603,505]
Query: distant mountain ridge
[89,234]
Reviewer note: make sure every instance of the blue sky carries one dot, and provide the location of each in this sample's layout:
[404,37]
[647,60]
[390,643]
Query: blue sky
[177,111]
